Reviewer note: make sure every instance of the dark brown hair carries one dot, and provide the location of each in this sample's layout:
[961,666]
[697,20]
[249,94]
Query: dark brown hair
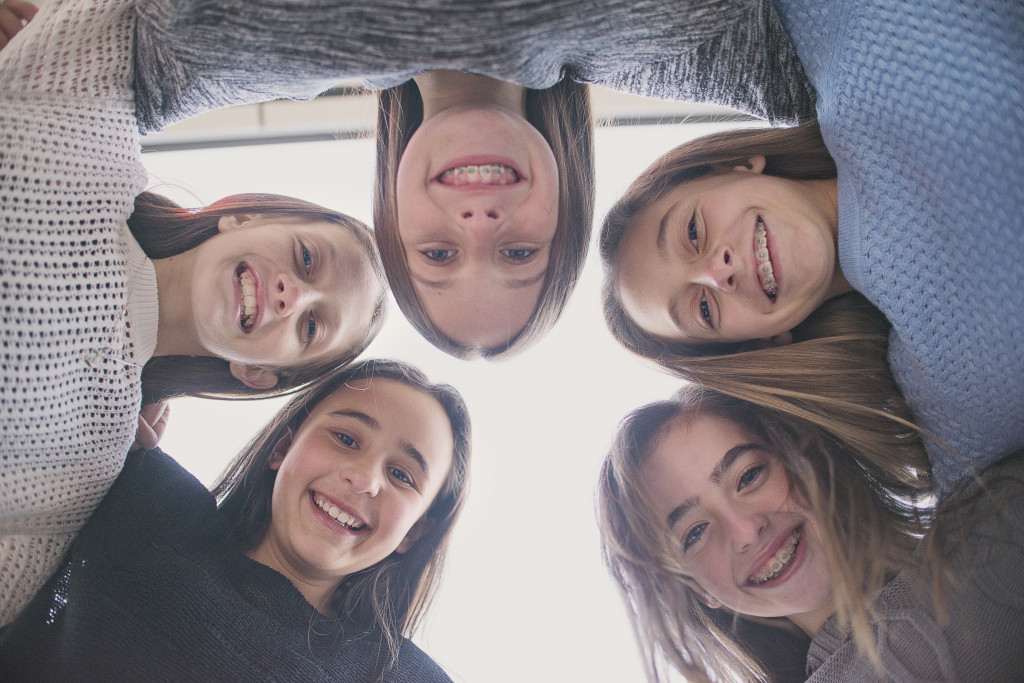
[395,593]
[164,229]
[562,115]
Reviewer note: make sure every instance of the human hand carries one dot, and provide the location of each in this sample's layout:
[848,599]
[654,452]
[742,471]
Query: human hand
[14,14]
[152,423]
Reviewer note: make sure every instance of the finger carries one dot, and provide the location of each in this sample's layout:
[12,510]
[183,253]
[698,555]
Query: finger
[25,11]
[145,436]
[10,24]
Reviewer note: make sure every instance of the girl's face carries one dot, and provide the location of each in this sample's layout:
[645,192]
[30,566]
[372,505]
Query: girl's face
[731,257]
[271,292]
[742,536]
[477,210]
[354,482]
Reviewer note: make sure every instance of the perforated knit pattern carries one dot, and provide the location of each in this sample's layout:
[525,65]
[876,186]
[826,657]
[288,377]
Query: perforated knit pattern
[922,105]
[69,389]
[194,55]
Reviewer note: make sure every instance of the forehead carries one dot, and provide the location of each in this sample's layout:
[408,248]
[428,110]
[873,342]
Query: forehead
[401,413]
[685,455]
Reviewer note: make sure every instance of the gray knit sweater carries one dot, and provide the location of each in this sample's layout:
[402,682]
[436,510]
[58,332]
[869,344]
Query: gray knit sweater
[983,636]
[196,55]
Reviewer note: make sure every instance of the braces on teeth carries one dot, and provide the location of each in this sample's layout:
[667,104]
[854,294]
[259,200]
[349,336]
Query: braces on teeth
[764,264]
[781,559]
[486,174]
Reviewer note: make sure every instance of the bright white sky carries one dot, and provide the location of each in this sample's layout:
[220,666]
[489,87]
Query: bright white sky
[525,596]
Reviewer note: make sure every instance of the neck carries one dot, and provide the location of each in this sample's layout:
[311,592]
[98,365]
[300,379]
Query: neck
[827,192]
[317,590]
[812,622]
[442,90]
[175,326]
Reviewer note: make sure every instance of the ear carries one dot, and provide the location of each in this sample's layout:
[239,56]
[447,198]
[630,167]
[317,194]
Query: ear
[253,376]
[280,449]
[421,527]
[233,221]
[755,164]
[711,601]
[781,339]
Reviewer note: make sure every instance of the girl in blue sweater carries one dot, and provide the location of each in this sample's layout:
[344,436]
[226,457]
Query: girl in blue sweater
[313,558]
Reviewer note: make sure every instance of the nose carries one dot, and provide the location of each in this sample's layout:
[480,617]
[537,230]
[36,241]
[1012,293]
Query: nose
[718,269]
[363,476]
[481,218]
[745,528]
[291,294]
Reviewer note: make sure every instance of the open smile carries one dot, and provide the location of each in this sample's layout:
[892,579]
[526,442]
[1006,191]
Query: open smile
[763,260]
[777,567]
[339,514]
[247,282]
[480,172]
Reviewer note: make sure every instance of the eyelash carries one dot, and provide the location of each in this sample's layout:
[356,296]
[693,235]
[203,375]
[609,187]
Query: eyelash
[518,253]
[402,476]
[439,255]
[743,482]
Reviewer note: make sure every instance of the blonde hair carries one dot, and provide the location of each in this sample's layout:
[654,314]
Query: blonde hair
[394,594]
[869,526]
[163,229]
[562,115]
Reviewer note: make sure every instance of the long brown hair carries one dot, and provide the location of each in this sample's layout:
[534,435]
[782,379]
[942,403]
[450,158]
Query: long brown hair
[870,528]
[395,593]
[163,229]
[562,115]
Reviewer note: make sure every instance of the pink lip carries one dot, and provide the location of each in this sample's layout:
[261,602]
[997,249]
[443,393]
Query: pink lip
[329,521]
[238,296]
[780,540]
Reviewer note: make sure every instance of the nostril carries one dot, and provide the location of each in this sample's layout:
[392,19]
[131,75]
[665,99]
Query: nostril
[730,281]
[467,214]
[280,286]
[492,214]
[727,259]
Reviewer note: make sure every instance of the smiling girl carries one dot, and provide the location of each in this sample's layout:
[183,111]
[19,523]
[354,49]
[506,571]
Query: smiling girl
[484,195]
[314,557]
[914,199]
[736,534]
[250,296]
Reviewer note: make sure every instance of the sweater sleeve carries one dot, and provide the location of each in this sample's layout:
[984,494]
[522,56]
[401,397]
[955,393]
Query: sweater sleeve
[69,373]
[196,55]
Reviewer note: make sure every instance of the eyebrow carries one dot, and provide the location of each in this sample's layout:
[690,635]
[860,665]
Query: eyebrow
[373,424]
[512,283]
[727,461]
[659,243]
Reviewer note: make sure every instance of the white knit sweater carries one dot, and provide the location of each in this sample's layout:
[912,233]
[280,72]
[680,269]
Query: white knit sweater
[77,295]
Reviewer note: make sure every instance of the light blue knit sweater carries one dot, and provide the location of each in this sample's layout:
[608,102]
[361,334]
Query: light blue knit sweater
[922,105]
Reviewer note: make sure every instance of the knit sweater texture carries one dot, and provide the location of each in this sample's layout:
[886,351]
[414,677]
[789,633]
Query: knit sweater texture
[921,104]
[981,638]
[77,295]
[154,588]
[194,55]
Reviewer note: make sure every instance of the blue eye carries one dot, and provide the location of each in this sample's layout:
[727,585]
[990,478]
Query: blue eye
[694,535]
[346,440]
[307,260]
[705,311]
[518,254]
[310,330]
[400,475]
[691,231]
[439,255]
[750,476]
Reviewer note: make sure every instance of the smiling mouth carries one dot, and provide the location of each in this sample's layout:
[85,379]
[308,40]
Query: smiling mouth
[778,563]
[765,271]
[247,283]
[483,174]
[337,514]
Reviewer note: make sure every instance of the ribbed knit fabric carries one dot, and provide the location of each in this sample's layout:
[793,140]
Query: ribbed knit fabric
[983,636]
[922,105]
[77,295]
[155,589]
[194,55]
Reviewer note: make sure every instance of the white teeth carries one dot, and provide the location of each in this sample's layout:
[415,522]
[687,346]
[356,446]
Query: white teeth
[486,174]
[777,563]
[764,263]
[248,285]
[337,513]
